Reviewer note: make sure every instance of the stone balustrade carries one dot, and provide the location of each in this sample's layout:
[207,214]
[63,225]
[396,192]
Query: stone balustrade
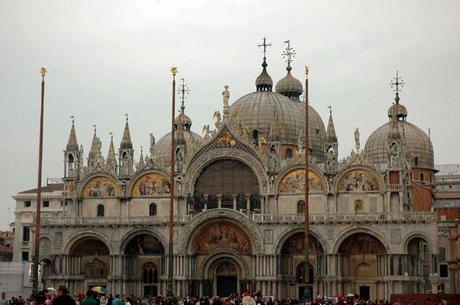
[315,219]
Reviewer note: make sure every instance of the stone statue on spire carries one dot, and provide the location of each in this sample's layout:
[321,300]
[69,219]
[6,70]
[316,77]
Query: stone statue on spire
[357,143]
[226,108]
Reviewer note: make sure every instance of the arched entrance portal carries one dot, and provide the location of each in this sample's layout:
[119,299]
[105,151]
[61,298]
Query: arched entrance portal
[225,276]
[143,265]
[292,266]
[221,251]
[90,257]
[358,257]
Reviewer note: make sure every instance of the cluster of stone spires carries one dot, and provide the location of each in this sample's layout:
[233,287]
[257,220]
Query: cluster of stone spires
[124,166]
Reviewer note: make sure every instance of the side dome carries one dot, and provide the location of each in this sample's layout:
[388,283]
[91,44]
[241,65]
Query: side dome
[417,144]
[258,110]
[163,146]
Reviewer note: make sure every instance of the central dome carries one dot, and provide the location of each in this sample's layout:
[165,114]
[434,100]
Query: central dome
[258,110]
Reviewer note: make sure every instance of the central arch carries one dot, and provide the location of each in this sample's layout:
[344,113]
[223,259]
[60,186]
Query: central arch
[224,274]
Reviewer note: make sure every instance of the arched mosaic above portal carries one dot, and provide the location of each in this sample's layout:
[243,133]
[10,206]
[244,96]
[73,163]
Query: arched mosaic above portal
[101,187]
[358,180]
[361,244]
[294,182]
[222,235]
[296,245]
[150,185]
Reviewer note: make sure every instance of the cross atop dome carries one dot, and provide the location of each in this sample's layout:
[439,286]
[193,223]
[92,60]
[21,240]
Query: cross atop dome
[265,45]
[396,83]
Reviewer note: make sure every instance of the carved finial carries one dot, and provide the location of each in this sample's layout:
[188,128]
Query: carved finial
[94,126]
[43,71]
[288,54]
[174,71]
[73,120]
[397,83]
[111,136]
[330,109]
[126,117]
[306,71]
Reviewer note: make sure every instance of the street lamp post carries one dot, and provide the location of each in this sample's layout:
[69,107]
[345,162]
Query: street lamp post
[39,186]
[170,288]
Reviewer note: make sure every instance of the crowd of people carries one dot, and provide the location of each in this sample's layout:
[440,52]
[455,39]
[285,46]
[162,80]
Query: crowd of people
[61,297]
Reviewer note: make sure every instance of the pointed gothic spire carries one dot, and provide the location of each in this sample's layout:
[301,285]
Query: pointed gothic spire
[111,157]
[72,144]
[126,140]
[331,136]
[141,163]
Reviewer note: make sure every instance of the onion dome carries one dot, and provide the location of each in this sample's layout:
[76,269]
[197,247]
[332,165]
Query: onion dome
[264,81]
[289,85]
[163,146]
[183,134]
[258,110]
[184,120]
[418,146]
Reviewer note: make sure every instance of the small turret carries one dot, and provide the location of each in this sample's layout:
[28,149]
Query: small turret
[332,145]
[141,163]
[72,155]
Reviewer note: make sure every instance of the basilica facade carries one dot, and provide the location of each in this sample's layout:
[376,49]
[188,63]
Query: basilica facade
[238,221]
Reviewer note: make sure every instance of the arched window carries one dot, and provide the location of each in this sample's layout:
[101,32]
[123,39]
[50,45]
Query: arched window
[100,210]
[152,209]
[422,177]
[255,134]
[288,153]
[300,274]
[150,273]
[300,206]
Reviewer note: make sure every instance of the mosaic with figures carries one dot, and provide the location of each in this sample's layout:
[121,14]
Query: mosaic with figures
[101,187]
[294,182]
[358,181]
[222,235]
[360,244]
[151,185]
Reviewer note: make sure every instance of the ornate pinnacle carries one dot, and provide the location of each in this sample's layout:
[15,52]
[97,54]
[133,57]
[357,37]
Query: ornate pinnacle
[288,54]
[183,91]
[43,71]
[174,71]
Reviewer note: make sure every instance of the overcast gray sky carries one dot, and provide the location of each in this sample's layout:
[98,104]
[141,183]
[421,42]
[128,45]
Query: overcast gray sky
[108,58]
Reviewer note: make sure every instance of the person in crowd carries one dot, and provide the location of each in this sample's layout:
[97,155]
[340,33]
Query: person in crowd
[63,297]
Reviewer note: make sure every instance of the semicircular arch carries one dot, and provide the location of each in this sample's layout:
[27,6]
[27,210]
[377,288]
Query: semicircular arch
[128,237]
[408,238]
[289,233]
[99,185]
[195,169]
[149,183]
[358,179]
[292,181]
[86,234]
[366,230]
[235,217]
[224,257]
